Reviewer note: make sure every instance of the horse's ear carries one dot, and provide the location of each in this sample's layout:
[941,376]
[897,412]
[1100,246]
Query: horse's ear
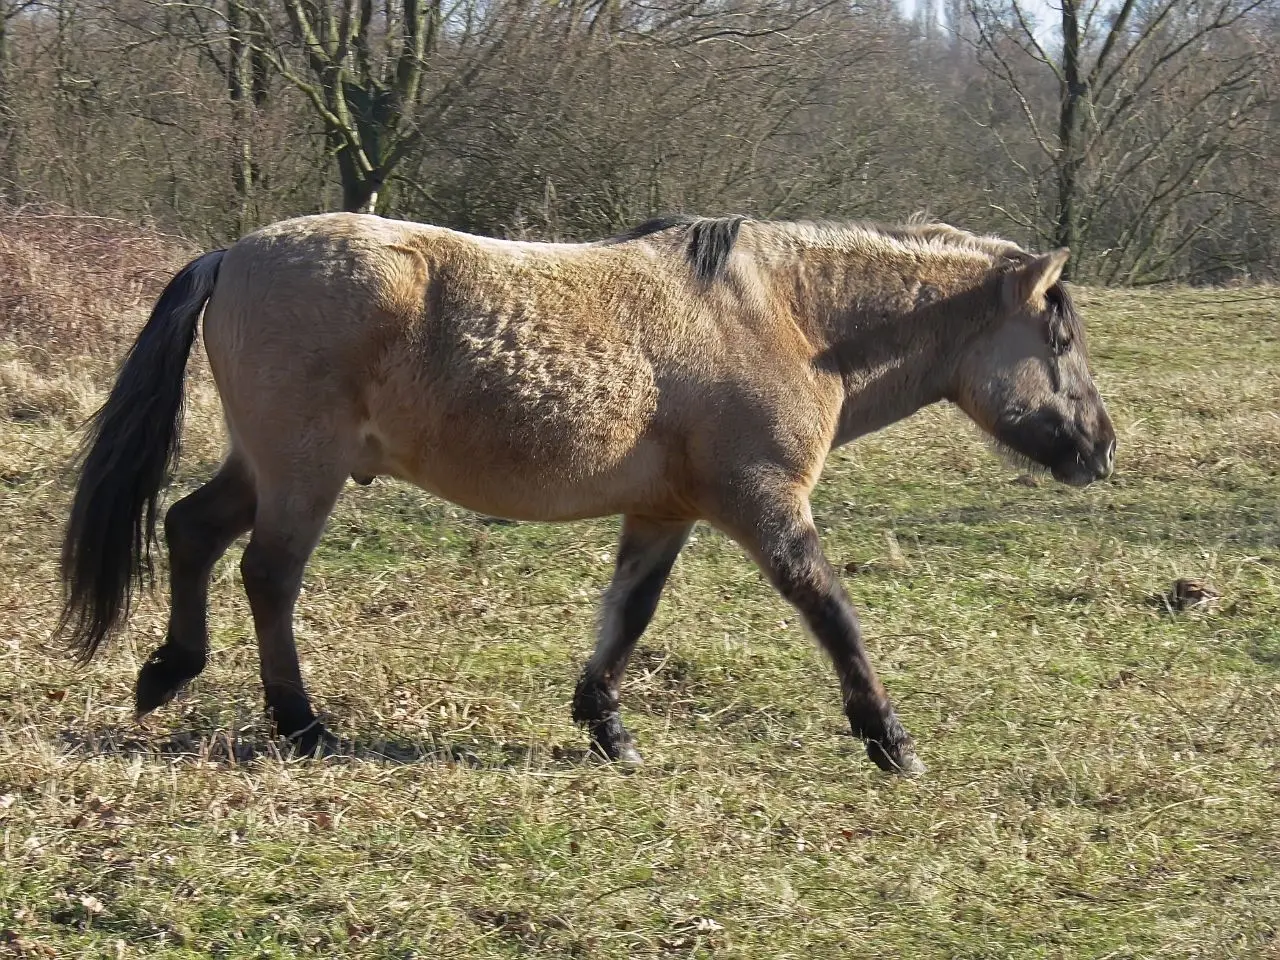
[1030,282]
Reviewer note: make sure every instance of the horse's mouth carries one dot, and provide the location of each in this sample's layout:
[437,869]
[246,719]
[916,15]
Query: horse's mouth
[1081,469]
[1076,474]
[1071,460]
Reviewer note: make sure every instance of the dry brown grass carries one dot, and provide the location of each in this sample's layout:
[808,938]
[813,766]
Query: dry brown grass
[77,286]
[26,394]
[74,292]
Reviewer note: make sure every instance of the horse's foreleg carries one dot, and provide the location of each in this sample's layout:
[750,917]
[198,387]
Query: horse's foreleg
[198,530]
[286,529]
[647,550]
[785,543]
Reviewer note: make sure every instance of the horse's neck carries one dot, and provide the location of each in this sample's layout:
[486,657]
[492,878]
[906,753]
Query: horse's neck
[890,371]
[894,352]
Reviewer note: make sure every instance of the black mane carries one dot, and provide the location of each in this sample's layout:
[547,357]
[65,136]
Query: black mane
[711,240]
[651,226]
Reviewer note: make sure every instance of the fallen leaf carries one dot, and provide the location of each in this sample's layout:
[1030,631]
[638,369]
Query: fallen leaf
[22,947]
[1187,593]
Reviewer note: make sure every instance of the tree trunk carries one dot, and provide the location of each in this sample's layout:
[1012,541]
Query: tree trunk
[1067,227]
[8,126]
[243,87]
[361,188]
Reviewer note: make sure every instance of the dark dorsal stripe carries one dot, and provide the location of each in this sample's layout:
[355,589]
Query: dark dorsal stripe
[652,226]
[711,240]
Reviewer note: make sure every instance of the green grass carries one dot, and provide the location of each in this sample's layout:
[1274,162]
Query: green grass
[1103,774]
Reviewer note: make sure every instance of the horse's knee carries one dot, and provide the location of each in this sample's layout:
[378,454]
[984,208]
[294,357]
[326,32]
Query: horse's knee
[800,570]
[269,574]
[184,535]
[255,569]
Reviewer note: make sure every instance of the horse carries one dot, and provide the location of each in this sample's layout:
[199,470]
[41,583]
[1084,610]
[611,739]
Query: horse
[690,369]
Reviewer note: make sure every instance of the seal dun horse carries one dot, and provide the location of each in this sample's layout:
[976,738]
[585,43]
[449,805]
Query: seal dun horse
[691,369]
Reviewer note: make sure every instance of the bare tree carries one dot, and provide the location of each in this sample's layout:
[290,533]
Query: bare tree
[379,77]
[10,11]
[226,36]
[1149,97]
[1139,133]
[775,109]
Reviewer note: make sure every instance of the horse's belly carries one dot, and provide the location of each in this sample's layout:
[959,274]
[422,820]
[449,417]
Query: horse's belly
[524,418]
[487,484]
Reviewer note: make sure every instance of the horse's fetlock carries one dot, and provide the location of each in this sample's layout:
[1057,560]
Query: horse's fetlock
[593,701]
[311,740]
[290,713]
[168,669]
[873,718]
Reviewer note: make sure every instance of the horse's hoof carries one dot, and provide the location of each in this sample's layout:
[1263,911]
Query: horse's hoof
[162,676]
[619,750]
[623,754]
[901,761]
[911,766]
[312,741]
[628,756]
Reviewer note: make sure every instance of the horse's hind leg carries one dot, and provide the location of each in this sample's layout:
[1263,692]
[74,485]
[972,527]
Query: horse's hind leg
[780,535]
[198,530]
[290,518]
[647,551]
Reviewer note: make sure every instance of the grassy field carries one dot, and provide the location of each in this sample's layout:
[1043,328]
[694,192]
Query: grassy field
[1104,773]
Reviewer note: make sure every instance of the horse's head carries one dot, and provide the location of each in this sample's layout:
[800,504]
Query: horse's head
[1025,380]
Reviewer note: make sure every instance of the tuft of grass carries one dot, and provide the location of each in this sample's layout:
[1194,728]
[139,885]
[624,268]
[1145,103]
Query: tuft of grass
[28,395]
[1103,772]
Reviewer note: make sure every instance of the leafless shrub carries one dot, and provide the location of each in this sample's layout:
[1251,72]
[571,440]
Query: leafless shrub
[75,285]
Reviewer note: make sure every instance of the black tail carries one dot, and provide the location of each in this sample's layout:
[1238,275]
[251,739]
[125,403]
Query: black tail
[132,443]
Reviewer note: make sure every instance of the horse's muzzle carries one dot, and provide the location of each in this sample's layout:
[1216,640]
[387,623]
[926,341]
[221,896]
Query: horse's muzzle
[1082,468]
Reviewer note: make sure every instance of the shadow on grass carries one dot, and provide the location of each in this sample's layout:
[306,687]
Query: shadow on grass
[225,748]
[1242,518]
